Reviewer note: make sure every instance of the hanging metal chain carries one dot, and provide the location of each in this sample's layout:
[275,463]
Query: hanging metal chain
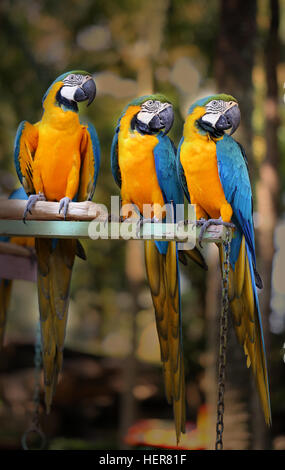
[35,427]
[223,340]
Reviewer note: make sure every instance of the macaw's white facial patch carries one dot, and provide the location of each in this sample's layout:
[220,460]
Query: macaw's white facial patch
[68,92]
[145,116]
[214,109]
[211,118]
[149,109]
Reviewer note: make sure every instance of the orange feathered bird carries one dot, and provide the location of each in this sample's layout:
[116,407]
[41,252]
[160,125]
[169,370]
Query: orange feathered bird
[58,159]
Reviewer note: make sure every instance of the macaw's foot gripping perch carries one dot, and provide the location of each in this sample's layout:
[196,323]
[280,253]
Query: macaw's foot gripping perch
[33,198]
[205,224]
[63,204]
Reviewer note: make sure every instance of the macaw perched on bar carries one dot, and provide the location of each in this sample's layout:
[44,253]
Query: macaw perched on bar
[213,171]
[58,159]
[6,284]
[143,161]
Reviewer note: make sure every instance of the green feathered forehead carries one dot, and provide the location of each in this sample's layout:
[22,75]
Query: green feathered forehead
[62,77]
[221,96]
[142,99]
[207,99]
[75,72]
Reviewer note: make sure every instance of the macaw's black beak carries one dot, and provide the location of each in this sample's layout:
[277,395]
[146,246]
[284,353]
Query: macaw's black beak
[163,120]
[230,119]
[87,91]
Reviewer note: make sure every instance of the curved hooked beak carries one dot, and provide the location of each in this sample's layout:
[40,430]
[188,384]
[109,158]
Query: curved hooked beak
[230,119]
[86,91]
[163,120]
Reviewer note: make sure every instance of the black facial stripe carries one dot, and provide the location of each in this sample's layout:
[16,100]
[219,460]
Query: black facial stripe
[140,126]
[72,105]
[207,127]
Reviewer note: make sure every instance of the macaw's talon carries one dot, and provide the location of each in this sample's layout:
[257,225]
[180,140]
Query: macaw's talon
[33,198]
[186,222]
[142,221]
[201,222]
[204,224]
[63,204]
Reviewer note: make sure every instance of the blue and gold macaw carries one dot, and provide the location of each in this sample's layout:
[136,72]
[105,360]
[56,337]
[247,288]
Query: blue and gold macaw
[6,284]
[143,161]
[58,159]
[212,168]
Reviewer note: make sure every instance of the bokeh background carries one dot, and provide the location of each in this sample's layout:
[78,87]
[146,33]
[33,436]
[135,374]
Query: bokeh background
[112,378]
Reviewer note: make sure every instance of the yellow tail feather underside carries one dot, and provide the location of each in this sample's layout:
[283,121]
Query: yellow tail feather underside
[54,276]
[247,324]
[163,282]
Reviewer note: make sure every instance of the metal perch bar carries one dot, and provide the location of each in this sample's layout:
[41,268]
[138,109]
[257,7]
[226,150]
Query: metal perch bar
[45,221]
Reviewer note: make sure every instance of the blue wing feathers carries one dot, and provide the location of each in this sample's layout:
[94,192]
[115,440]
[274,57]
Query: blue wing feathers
[165,165]
[233,173]
[19,193]
[96,152]
[114,158]
[17,149]
[180,172]
[166,171]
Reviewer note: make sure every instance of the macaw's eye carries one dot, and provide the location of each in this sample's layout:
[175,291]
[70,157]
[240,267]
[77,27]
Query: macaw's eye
[72,77]
[214,103]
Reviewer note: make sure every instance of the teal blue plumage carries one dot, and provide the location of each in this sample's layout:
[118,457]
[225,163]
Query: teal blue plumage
[165,165]
[97,157]
[114,157]
[213,171]
[17,143]
[233,173]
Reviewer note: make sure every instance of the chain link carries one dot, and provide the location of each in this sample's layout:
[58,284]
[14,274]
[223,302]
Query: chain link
[223,340]
[35,427]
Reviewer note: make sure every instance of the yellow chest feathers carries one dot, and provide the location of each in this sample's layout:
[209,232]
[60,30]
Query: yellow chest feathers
[199,160]
[136,161]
